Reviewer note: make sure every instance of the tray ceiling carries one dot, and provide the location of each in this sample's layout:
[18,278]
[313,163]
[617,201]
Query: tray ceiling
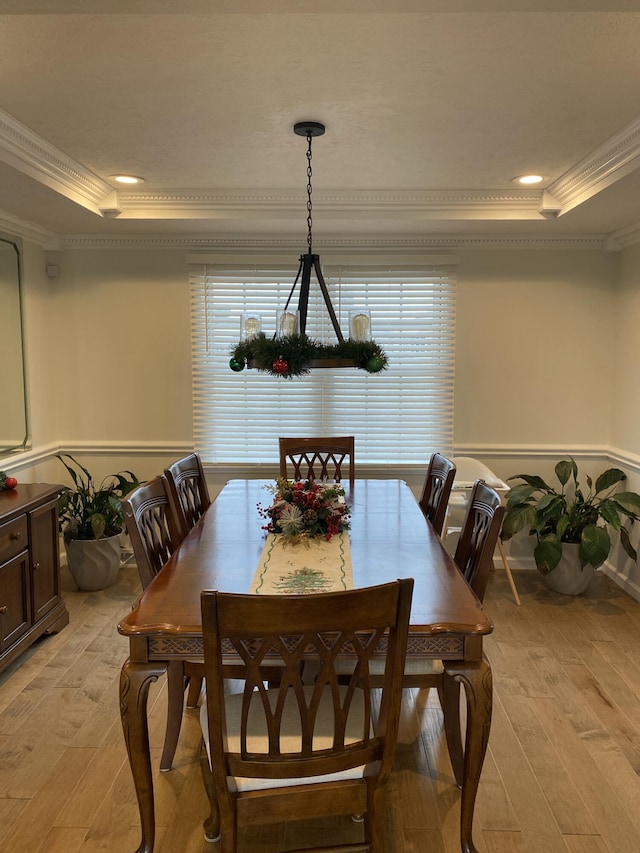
[431,109]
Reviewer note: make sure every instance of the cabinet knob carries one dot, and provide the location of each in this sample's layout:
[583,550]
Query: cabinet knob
[36,566]
[17,536]
[3,609]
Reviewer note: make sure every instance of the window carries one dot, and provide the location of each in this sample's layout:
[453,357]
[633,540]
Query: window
[401,415]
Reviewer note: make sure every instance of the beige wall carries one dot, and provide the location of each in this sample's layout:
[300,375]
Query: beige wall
[624,346]
[109,348]
[546,355]
[533,355]
[123,318]
[46,358]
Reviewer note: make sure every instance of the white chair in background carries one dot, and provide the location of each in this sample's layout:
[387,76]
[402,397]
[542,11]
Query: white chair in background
[468,471]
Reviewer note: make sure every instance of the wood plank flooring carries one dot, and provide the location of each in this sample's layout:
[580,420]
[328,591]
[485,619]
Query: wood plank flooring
[561,774]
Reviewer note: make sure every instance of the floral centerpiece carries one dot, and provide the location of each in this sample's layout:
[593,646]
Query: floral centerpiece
[305,509]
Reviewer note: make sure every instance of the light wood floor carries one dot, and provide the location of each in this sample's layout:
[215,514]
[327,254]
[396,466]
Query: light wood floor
[561,774]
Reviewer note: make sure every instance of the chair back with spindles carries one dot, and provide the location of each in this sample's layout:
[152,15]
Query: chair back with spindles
[152,525]
[189,491]
[479,536]
[317,458]
[312,749]
[437,489]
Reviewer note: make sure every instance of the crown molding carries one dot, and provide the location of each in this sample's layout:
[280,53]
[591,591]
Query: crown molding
[625,237]
[612,160]
[261,246]
[27,152]
[592,242]
[368,204]
[27,230]
[24,150]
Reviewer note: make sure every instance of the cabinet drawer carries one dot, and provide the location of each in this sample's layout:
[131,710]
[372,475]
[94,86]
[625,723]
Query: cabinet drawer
[13,537]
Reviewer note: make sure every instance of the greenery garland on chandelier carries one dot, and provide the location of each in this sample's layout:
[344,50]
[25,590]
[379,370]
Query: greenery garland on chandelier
[293,355]
[290,355]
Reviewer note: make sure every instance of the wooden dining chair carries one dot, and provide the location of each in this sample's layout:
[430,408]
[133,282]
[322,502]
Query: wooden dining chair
[188,488]
[317,458]
[303,751]
[152,525]
[479,536]
[473,557]
[469,470]
[437,488]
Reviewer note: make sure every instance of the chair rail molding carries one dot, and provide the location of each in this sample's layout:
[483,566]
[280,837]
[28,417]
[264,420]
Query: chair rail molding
[28,466]
[606,454]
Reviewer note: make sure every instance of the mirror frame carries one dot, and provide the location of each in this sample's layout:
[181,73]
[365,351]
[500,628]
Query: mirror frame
[17,247]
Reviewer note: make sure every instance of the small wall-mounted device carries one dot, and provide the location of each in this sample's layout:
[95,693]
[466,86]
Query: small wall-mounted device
[53,271]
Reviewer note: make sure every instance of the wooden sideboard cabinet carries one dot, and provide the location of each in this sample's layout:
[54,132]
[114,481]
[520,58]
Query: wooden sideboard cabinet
[30,601]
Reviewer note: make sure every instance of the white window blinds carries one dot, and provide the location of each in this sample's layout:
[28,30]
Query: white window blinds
[401,415]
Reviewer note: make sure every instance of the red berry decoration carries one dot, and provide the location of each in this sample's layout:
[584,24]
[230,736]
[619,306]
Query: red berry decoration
[7,482]
[280,366]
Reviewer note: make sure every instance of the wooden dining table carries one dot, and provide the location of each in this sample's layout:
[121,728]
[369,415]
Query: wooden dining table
[389,538]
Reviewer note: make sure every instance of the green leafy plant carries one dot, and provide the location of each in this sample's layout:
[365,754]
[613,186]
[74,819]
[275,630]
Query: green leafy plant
[90,510]
[569,515]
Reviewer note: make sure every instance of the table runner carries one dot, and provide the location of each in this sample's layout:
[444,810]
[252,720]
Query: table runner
[313,565]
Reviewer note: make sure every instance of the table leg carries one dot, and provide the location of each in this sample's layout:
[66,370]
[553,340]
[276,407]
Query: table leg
[478,685]
[135,680]
[175,706]
[450,701]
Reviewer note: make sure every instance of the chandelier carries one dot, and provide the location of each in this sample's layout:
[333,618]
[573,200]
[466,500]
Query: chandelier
[290,352]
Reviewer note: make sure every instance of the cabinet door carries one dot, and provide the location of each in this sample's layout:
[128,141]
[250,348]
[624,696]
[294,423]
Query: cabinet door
[45,564]
[15,600]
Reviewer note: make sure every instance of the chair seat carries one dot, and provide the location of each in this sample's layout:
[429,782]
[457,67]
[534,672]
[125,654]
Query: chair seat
[257,740]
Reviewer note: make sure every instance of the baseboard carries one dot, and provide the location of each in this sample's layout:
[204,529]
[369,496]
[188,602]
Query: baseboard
[629,586]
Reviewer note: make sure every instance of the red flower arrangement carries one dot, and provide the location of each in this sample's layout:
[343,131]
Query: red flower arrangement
[306,509]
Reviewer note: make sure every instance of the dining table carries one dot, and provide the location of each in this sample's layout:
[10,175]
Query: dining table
[388,538]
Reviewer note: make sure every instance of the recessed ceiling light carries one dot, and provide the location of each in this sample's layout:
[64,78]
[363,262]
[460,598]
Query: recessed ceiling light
[127,179]
[529,179]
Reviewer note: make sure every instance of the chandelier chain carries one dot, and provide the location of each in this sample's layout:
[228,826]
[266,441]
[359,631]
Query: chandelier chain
[309,191]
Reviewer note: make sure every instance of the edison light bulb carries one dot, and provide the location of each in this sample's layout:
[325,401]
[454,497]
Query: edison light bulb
[288,323]
[251,328]
[360,327]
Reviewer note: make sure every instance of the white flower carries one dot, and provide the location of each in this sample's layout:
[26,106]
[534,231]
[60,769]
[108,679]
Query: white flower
[291,520]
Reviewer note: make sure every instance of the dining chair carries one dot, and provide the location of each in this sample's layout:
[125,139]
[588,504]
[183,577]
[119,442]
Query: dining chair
[188,488]
[152,525]
[479,536]
[469,470]
[473,557]
[301,750]
[317,458]
[436,491]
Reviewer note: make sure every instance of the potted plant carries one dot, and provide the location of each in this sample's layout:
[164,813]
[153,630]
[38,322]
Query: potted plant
[91,522]
[571,526]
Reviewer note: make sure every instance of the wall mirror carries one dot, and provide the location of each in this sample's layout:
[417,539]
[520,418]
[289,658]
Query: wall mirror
[13,402]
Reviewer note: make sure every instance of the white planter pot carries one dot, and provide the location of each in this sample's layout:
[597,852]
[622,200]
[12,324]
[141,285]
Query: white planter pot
[94,563]
[569,577]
